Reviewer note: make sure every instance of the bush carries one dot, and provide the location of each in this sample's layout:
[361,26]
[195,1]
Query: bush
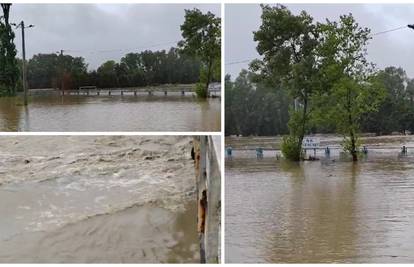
[291,148]
[201,90]
[6,91]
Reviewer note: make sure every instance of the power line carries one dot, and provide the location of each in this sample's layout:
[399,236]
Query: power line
[238,62]
[374,34]
[391,30]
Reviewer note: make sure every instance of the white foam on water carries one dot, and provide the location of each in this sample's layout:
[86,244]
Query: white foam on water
[84,176]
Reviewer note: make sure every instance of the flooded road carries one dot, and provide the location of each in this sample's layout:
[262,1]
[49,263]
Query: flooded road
[110,113]
[97,199]
[324,211]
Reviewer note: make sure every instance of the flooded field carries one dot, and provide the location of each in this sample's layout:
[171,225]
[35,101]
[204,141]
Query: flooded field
[324,211]
[97,199]
[110,113]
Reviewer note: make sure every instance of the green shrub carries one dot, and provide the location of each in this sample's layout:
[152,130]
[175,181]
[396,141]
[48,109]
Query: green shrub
[201,90]
[291,148]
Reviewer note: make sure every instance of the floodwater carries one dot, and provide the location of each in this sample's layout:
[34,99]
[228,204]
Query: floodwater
[95,199]
[326,211]
[110,113]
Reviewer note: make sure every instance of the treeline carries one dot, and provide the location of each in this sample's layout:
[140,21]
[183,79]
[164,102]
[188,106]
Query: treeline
[329,82]
[134,69]
[253,108]
[196,60]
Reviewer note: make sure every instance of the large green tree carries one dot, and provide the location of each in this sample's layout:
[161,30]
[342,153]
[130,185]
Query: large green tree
[9,71]
[287,43]
[352,91]
[202,39]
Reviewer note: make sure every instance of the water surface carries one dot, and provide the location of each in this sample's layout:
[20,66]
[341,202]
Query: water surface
[97,199]
[110,113]
[324,211]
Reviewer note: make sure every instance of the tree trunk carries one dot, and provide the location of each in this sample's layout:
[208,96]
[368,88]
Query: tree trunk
[351,130]
[304,119]
[353,147]
[209,66]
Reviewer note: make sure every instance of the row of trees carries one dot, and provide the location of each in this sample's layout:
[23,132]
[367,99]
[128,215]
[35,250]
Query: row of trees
[134,69]
[322,69]
[196,60]
[255,109]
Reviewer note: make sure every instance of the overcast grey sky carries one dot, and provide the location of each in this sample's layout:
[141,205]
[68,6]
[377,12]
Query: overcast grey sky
[84,29]
[390,49]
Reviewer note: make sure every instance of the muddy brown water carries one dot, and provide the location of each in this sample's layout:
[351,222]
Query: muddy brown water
[110,113]
[110,199]
[324,211]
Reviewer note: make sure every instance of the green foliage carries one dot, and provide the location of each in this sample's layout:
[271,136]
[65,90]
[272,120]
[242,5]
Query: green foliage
[202,35]
[202,39]
[52,70]
[201,90]
[352,91]
[395,113]
[288,45]
[134,69]
[9,72]
[291,148]
[322,67]
[254,108]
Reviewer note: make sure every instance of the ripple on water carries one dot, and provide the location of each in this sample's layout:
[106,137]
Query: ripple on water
[338,211]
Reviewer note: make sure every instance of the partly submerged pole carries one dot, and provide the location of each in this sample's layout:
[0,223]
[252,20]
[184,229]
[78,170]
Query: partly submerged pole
[24,64]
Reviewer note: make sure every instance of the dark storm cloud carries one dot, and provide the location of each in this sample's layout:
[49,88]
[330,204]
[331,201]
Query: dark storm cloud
[94,31]
[390,49]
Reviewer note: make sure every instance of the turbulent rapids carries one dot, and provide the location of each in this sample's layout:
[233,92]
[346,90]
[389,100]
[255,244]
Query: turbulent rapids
[97,199]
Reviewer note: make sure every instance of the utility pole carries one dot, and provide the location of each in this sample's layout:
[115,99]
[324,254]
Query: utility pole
[24,64]
[24,71]
[61,70]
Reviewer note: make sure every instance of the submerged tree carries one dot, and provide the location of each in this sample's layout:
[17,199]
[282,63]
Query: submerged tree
[9,71]
[202,39]
[287,43]
[352,90]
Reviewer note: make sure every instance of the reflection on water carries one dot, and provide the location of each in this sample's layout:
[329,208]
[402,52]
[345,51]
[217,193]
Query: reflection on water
[324,211]
[110,113]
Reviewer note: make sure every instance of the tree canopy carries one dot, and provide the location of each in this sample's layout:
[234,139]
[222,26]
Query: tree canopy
[134,69]
[202,39]
[9,71]
[314,77]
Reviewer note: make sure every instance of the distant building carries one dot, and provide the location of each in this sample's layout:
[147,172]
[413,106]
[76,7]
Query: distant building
[214,87]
